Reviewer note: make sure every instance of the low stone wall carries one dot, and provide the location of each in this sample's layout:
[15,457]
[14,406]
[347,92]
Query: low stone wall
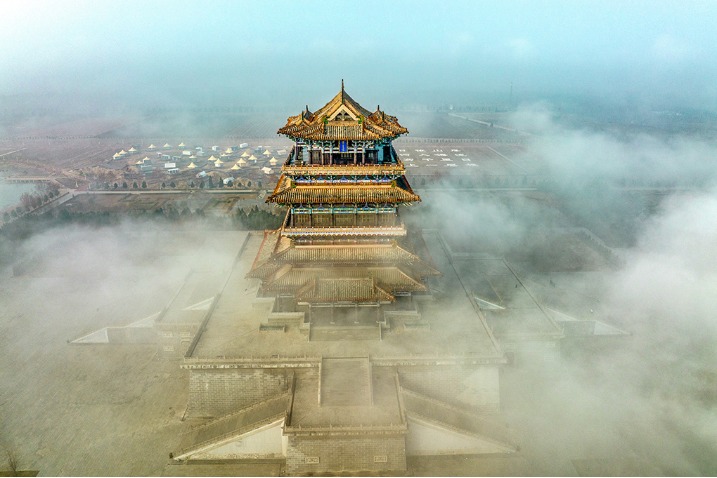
[217,392]
[321,454]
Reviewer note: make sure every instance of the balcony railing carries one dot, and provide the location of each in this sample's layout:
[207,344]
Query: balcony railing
[392,231]
[298,167]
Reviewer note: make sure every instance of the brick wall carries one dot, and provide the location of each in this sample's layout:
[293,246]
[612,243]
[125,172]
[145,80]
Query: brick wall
[174,339]
[217,392]
[539,351]
[475,387]
[310,455]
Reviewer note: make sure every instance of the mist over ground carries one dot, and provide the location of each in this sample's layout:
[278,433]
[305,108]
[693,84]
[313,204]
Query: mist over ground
[644,405]
[647,405]
[613,108]
[61,404]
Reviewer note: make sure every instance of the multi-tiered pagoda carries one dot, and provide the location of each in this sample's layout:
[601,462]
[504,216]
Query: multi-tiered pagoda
[345,362]
[342,251]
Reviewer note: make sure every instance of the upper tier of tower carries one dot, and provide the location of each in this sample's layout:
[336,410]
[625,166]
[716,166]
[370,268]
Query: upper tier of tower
[342,119]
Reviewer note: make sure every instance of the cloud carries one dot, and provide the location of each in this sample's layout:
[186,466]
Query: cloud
[646,405]
[573,153]
[670,49]
[521,49]
[460,43]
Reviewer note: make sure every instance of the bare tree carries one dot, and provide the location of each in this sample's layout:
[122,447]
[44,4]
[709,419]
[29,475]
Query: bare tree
[12,462]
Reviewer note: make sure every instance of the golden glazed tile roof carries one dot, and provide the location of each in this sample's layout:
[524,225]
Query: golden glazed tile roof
[288,279]
[288,192]
[331,254]
[348,231]
[365,253]
[357,170]
[362,289]
[266,249]
[342,118]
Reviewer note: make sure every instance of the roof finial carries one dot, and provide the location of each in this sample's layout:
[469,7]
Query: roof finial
[342,90]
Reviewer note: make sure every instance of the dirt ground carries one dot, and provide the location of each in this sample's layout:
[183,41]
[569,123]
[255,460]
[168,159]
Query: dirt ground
[98,410]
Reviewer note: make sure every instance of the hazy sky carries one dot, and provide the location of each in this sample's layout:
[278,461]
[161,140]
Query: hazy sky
[422,52]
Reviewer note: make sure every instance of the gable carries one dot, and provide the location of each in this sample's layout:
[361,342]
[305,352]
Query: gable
[343,114]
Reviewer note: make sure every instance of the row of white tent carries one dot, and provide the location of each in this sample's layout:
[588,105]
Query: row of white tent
[217,163]
[265,170]
[226,153]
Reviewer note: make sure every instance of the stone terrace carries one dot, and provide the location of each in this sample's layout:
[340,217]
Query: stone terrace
[234,328]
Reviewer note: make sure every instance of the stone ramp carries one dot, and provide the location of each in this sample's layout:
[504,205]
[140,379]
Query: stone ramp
[235,424]
[453,418]
[345,382]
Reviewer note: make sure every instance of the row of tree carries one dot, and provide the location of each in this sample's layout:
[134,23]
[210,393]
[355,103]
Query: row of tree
[13,233]
[207,183]
[29,202]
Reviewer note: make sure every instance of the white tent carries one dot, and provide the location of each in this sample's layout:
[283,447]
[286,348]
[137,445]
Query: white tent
[241,161]
[229,151]
[151,146]
[211,158]
[181,145]
[253,158]
[235,167]
[266,170]
[266,152]
[245,154]
[167,145]
[273,161]
[218,163]
[191,165]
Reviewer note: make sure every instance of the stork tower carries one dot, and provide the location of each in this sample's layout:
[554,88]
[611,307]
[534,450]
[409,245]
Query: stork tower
[342,254]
